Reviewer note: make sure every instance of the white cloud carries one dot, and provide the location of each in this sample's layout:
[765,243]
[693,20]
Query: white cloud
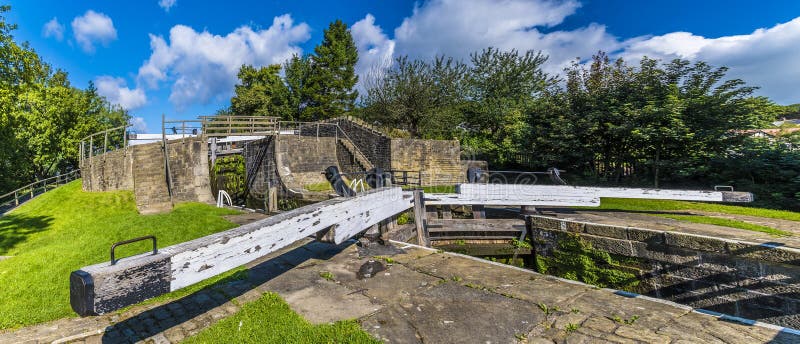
[203,66]
[375,50]
[117,92]
[91,28]
[166,4]
[138,124]
[765,57]
[458,28]
[53,29]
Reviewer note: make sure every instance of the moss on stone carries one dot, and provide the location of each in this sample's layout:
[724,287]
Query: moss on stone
[576,259]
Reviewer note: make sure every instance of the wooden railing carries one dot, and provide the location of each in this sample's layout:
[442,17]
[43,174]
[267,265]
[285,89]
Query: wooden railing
[14,198]
[219,126]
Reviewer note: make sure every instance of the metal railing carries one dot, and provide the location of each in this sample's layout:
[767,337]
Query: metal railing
[181,127]
[103,142]
[21,195]
[406,178]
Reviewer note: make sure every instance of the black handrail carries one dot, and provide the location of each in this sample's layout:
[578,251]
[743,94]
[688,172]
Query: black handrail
[116,244]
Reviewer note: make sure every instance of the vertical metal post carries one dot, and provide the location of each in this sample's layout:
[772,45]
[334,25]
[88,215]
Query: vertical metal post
[91,147]
[166,157]
[419,218]
[16,199]
[105,142]
[124,137]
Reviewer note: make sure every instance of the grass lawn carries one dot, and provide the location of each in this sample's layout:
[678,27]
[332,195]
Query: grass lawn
[439,189]
[667,205]
[66,229]
[319,187]
[727,223]
[647,205]
[270,320]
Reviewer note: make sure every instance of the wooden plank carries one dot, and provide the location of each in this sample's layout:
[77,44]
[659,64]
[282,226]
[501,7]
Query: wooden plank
[419,218]
[540,200]
[102,288]
[468,225]
[563,195]
[473,237]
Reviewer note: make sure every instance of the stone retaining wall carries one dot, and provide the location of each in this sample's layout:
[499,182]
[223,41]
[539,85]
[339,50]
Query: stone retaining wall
[188,165]
[374,145]
[753,281]
[438,160]
[141,169]
[108,172]
[300,162]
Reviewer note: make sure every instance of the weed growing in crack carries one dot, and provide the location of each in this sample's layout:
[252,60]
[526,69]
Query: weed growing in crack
[571,327]
[327,275]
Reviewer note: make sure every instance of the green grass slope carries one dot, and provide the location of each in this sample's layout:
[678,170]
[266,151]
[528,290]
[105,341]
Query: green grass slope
[66,229]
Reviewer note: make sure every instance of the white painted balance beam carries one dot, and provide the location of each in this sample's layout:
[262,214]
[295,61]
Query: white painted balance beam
[103,287]
[564,195]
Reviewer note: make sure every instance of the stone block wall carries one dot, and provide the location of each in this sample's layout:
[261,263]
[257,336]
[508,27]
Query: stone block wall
[149,179]
[108,172]
[748,280]
[141,169]
[188,165]
[301,160]
[374,145]
[438,160]
[347,161]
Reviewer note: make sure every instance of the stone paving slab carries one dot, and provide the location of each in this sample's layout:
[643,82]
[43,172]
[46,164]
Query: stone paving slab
[423,296]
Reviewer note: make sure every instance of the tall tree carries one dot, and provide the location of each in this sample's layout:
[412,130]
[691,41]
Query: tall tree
[261,92]
[332,79]
[502,87]
[42,116]
[297,71]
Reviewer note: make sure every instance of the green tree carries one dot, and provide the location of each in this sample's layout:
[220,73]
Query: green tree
[502,87]
[297,71]
[418,96]
[261,92]
[42,116]
[330,83]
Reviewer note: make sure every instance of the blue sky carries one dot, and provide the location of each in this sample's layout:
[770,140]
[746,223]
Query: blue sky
[179,57]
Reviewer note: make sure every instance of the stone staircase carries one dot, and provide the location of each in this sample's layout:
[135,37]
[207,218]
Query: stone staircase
[150,184]
[360,159]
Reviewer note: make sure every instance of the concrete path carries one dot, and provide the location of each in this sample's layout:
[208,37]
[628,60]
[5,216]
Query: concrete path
[425,296]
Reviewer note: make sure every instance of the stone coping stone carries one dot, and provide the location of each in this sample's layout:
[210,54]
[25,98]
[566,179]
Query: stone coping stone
[771,252]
